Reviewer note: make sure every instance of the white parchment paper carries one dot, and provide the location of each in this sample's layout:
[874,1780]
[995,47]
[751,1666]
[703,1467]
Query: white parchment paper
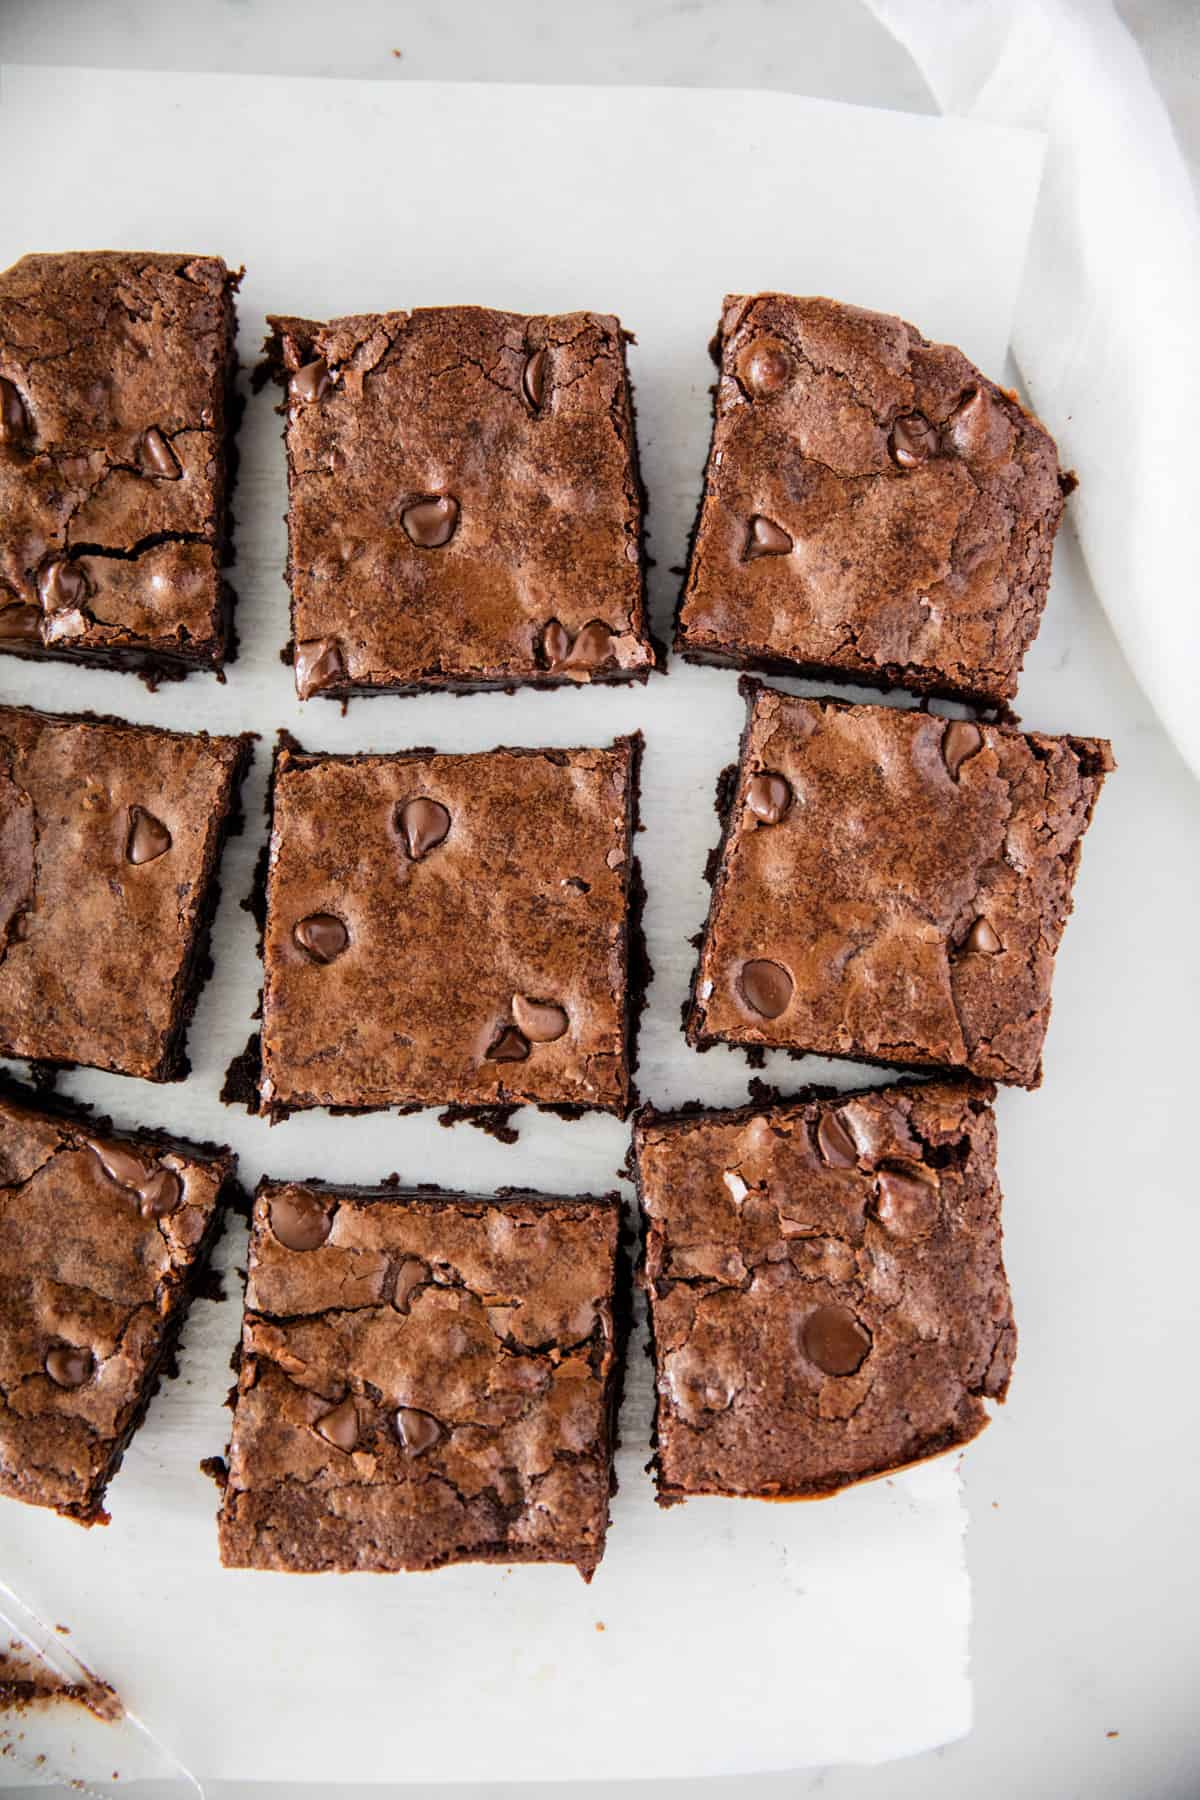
[720,1636]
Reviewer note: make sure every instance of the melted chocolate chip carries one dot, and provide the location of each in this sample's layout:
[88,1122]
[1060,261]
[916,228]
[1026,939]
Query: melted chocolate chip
[61,586]
[765,538]
[300,1221]
[556,644]
[589,650]
[156,456]
[768,797]
[158,1190]
[533,379]
[970,424]
[118,1163]
[766,987]
[160,1194]
[417,1431]
[907,1204]
[834,1340]
[312,381]
[69,1365]
[430,522]
[14,420]
[509,1045]
[321,935]
[148,837]
[423,825]
[542,1021]
[913,440]
[411,1275]
[981,940]
[20,624]
[960,741]
[764,367]
[837,1147]
[339,1426]
[319,664]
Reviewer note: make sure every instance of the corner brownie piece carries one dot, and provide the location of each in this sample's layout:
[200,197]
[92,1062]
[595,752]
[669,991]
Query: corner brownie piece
[451,930]
[425,1378]
[110,837]
[103,1240]
[116,459]
[827,1296]
[893,886]
[874,508]
[465,509]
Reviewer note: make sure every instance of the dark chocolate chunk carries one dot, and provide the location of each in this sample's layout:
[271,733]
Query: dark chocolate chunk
[148,837]
[157,457]
[589,650]
[299,1220]
[416,1430]
[837,1147]
[913,440]
[312,381]
[423,824]
[509,1045]
[542,1021]
[833,1339]
[158,1190]
[768,796]
[69,1365]
[430,522]
[960,741]
[907,1202]
[981,940]
[766,987]
[62,586]
[765,538]
[339,1426]
[319,664]
[322,936]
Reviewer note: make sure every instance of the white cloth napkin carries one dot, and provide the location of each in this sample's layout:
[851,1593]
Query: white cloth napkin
[1107,321]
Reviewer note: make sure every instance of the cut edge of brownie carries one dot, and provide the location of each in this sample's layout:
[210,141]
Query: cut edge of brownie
[1096,762]
[203,656]
[243,1076]
[980,1093]
[197,965]
[173,1297]
[393,1191]
[272,366]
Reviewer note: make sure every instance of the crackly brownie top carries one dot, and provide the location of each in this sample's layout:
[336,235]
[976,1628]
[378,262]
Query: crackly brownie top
[872,504]
[96,1235]
[449,929]
[894,885]
[826,1282]
[433,1368]
[112,374]
[106,832]
[464,504]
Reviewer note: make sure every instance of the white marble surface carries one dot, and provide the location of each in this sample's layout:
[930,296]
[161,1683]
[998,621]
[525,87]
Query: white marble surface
[1084,1496]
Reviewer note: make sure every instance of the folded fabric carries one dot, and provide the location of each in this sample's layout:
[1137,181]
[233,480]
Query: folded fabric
[1106,323]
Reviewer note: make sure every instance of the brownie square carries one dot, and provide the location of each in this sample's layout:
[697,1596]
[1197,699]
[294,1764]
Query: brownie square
[893,886]
[425,1378]
[110,837]
[827,1296]
[874,508]
[457,930]
[116,459]
[104,1238]
[464,503]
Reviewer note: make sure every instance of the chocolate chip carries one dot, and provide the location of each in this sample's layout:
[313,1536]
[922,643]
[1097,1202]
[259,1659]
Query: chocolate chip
[319,664]
[981,940]
[766,987]
[20,624]
[907,1204]
[14,420]
[556,644]
[764,367]
[312,381]
[837,1147]
[417,1431]
[960,741]
[411,1275]
[533,378]
[430,522]
[299,1220]
[160,1194]
[158,1190]
[321,935]
[541,1020]
[835,1341]
[118,1163]
[765,538]
[148,837]
[69,1366]
[423,825]
[913,440]
[61,586]
[157,457]
[969,426]
[768,797]
[588,651]
[508,1046]
[339,1426]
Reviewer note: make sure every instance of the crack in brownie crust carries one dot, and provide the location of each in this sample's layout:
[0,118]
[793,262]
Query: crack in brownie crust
[425,1378]
[875,509]
[827,1295]
[116,373]
[465,508]
[893,886]
[103,1240]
